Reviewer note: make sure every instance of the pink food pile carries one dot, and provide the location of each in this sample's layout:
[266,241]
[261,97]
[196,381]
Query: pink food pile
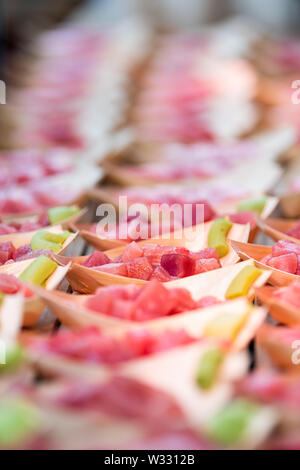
[271,387]
[28,180]
[150,261]
[36,197]
[24,226]
[175,97]
[144,303]
[120,397]
[53,105]
[26,166]
[216,193]
[11,285]
[289,294]
[285,256]
[93,346]
[140,228]
[202,160]
[243,218]
[10,254]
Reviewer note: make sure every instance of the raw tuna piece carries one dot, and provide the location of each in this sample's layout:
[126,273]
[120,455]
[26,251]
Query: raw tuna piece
[9,248]
[128,292]
[141,303]
[3,257]
[144,343]
[154,252]
[122,300]
[244,217]
[123,309]
[22,251]
[96,259]
[161,274]
[11,206]
[209,253]
[287,263]
[180,250]
[120,269]
[139,268]
[9,284]
[207,301]
[208,211]
[182,300]
[6,229]
[167,340]
[153,301]
[43,220]
[88,344]
[290,294]
[101,302]
[283,247]
[178,265]
[15,225]
[104,299]
[133,250]
[266,259]
[7,251]
[204,265]
[294,231]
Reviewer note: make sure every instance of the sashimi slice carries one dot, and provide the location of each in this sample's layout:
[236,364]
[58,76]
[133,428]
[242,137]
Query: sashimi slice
[96,259]
[287,263]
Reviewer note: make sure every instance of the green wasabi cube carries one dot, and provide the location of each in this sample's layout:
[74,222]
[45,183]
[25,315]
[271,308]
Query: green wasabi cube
[217,236]
[229,425]
[209,367]
[39,270]
[242,283]
[61,213]
[13,358]
[44,240]
[18,422]
[256,205]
